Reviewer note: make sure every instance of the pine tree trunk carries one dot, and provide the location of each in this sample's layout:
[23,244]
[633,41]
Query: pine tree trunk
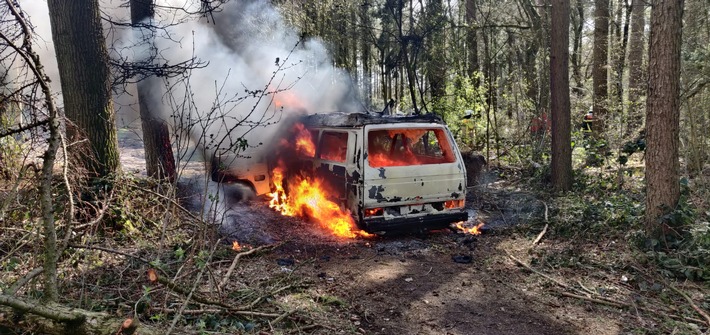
[472,41]
[83,69]
[159,159]
[560,99]
[576,58]
[600,59]
[636,69]
[436,72]
[663,113]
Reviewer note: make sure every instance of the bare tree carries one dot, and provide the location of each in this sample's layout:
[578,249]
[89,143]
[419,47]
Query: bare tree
[663,113]
[560,99]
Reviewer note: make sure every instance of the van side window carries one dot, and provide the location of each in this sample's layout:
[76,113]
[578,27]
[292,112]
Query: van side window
[333,146]
[305,140]
[408,146]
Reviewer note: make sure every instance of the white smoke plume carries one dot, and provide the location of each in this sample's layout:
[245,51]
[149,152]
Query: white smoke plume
[250,52]
[258,71]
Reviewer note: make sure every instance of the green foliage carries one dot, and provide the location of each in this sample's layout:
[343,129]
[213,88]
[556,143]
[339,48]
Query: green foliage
[463,95]
[11,149]
[684,253]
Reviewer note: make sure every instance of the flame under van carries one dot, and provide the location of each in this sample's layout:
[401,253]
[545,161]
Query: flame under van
[393,174]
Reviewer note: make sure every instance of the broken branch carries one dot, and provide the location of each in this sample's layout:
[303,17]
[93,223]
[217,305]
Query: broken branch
[539,236]
[692,304]
[225,279]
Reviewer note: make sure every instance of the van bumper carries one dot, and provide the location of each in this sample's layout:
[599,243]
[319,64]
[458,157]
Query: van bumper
[403,225]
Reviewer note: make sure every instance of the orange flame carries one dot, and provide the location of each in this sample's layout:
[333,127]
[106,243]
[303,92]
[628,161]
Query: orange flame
[286,99]
[304,141]
[307,198]
[475,230]
[236,246]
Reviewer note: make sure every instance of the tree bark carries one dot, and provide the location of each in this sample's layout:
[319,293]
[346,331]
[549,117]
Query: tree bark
[636,70]
[663,113]
[83,69]
[472,42]
[58,319]
[577,29]
[436,72]
[560,99]
[600,59]
[159,159]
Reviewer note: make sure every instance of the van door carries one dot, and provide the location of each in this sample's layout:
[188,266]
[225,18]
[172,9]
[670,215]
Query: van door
[412,169]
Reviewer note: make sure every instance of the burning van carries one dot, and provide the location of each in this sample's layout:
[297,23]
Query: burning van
[390,174]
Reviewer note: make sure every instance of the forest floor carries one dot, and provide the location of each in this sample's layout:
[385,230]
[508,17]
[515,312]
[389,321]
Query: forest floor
[447,282]
[543,265]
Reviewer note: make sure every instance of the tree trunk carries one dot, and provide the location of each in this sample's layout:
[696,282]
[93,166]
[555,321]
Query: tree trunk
[159,159]
[472,41]
[636,70]
[83,69]
[577,28]
[622,37]
[436,72]
[600,59]
[560,99]
[663,113]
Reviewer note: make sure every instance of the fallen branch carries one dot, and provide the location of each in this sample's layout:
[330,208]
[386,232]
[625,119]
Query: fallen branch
[53,318]
[225,279]
[171,200]
[619,304]
[600,300]
[527,267]
[23,281]
[692,304]
[113,251]
[539,236]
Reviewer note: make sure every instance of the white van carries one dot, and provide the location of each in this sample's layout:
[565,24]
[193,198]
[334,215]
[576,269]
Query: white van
[394,174]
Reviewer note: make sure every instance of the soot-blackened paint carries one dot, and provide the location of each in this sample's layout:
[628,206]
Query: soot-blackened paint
[375,192]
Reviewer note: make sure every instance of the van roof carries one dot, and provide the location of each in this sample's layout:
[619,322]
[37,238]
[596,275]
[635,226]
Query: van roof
[349,120]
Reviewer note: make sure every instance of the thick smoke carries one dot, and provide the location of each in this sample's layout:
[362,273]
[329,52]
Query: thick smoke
[258,72]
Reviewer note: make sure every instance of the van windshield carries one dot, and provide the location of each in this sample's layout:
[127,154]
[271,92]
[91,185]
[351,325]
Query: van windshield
[408,146]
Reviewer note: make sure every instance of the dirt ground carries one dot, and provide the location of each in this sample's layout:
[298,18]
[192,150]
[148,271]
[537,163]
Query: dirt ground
[440,283]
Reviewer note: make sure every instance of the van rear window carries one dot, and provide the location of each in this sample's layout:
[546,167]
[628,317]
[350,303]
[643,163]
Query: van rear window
[408,146]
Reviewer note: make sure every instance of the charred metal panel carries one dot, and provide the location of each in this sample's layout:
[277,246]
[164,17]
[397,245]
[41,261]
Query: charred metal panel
[382,173]
[352,120]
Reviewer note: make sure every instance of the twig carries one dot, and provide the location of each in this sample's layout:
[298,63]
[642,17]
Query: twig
[225,279]
[623,305]
[585,288]
[309,327]
[598,301]
[22,281]
[282,316]
[113,251]
[539,236]
[692,304]
[192,291]
[70,196]
[546,211]
[172,201]
[519,262]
